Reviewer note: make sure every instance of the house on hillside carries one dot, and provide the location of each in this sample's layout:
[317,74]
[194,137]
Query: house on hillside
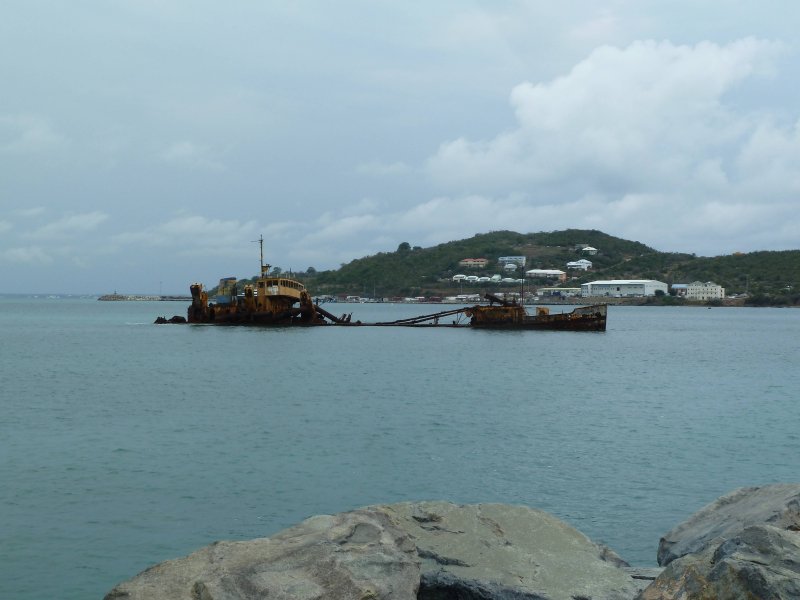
[473,263]
[512,260]
[547,274]
[582,264]
[589,250]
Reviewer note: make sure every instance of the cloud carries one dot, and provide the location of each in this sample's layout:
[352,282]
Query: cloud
[27,134]
[643,133]
[189,154]
[28,213]
[29,255]
[69,226]
[193,234]
[631,116]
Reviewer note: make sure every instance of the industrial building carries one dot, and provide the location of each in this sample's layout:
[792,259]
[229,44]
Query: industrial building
[698,290]
[620,288]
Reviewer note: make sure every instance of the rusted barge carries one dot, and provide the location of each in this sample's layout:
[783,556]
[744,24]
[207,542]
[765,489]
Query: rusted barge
[505,314]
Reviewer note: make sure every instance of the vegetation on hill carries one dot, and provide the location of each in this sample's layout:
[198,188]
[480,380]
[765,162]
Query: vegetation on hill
[425,271]
[767,277]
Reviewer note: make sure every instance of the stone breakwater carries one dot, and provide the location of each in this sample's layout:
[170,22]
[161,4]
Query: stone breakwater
[743,545]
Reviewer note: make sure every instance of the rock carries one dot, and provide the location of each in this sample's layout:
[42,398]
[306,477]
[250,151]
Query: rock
[174,320]
[777,505]
[360,555]
[497,551]
[643,576]
[761,562]
[426,550]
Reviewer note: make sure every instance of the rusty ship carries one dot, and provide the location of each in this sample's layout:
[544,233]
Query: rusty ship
[269,300]
[281,300]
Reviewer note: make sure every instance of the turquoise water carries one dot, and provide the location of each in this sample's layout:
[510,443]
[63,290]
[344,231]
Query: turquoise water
[124,443]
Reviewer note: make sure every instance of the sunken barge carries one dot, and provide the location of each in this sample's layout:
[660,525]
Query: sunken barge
[275,300]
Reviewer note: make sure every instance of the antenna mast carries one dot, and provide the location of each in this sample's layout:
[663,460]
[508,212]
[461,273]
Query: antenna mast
[263,269]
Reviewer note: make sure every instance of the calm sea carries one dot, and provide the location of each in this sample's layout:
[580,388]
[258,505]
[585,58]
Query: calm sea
[124,443]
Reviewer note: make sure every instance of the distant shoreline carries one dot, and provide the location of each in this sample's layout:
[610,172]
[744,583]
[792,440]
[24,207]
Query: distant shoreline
[142,298]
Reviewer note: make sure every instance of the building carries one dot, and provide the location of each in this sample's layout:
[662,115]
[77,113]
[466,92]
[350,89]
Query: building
[547,274]
[510,267]
[514,260]
[589,250]
[473,263]
[562,292]
[582,264]
[621,288]
[679,289]
[709,290]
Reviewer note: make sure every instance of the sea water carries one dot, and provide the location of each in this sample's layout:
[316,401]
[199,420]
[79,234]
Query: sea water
[124,443]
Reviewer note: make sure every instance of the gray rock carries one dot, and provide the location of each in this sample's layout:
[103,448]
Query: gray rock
[426,550]
[777,505]
[497,551]
[358,555]
[762,562]
[643,576]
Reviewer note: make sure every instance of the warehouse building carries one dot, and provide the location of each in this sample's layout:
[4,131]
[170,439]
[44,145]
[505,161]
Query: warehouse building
[621,288]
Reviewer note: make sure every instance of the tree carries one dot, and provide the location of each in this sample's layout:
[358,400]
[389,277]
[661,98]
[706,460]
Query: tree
[404,247]
[311,271]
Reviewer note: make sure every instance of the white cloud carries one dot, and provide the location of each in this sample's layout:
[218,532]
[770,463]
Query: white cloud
[70,225]
[29,212]
[194,234]
[29,255]
[26,134]
[646,132]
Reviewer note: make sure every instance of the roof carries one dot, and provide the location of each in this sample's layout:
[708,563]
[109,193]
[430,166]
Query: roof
[624,282]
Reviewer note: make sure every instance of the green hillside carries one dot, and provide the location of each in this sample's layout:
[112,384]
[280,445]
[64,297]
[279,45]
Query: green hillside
[421,271]
[768,277]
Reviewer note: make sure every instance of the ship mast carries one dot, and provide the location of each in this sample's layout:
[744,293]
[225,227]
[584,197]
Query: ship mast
[264,268]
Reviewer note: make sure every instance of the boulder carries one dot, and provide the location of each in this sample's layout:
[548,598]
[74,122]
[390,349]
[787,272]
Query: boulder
[359,555]
[426,550]
[777,505]
[761,562]
[497,551]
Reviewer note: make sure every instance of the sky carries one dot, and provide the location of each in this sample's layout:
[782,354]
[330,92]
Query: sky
[145,145]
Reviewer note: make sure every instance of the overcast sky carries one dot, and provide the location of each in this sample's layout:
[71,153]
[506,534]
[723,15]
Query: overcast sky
[145,144]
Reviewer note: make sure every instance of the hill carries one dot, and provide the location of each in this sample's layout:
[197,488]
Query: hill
[415,271]
[769,277]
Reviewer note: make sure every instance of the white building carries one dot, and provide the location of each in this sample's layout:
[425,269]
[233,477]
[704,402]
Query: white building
[515,260]
[589,250]
[581,264]
[547,274]
[620,288]
[697,290]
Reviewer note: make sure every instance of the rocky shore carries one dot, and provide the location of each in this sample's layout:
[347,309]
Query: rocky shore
[745,545]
